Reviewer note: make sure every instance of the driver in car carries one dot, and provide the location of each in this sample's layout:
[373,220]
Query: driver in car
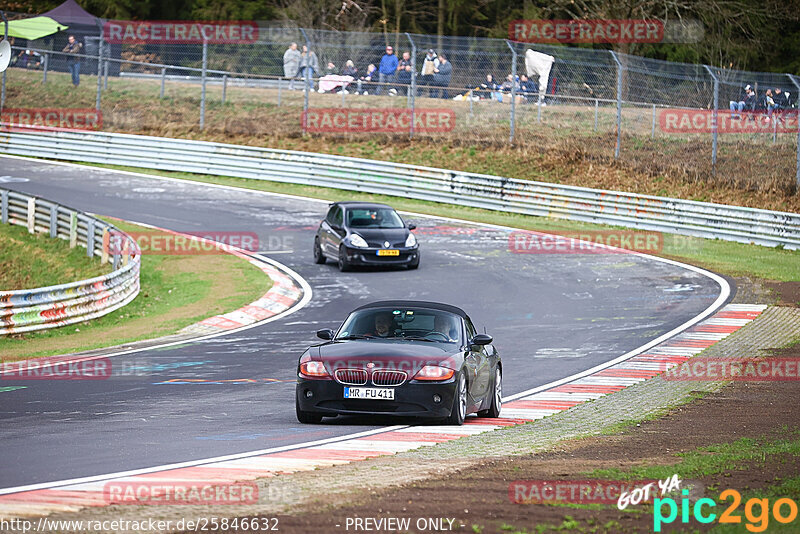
[443,325]
[383,324]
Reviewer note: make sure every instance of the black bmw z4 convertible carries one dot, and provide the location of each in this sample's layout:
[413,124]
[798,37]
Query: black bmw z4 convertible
[366,234]
[401,358]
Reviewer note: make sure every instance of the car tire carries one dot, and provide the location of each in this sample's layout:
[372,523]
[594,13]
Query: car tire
[344,265]
[459,410]
[497,396]
[307,418]
[319,257]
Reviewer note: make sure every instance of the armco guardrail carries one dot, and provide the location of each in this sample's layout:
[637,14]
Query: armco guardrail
[27,310]
[701,219]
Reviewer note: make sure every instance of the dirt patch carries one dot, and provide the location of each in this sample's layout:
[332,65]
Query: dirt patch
[478,495]
[788,293]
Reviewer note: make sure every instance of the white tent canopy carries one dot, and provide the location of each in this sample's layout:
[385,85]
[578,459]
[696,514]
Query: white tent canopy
[538,64]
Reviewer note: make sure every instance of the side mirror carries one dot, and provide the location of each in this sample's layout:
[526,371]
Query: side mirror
[325,333]
[412,226]
[481,339]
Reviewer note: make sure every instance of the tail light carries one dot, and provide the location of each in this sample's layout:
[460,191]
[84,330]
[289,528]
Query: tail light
[434,373]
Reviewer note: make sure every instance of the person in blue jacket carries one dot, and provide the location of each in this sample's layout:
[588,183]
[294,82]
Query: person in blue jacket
[387,69]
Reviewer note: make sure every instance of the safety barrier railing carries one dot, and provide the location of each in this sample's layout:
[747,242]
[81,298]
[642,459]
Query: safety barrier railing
[27,310]
[700,219]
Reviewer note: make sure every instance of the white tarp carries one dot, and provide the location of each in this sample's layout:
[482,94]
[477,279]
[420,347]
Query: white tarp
[538,64]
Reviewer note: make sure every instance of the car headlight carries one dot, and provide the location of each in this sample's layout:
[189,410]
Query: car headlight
[411,240]
[358,241]
[434,373]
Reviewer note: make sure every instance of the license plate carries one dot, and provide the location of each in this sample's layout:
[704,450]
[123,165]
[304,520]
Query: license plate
[369,393]
[388,252]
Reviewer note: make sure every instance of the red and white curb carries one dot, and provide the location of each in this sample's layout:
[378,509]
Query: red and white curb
[672,352]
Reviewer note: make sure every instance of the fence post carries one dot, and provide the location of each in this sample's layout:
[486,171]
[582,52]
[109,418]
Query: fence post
[305,82]
[619,103]
[797,165]
[714,121]
[280,84]
[3,206]
[513,89]
[203,83]
[105,74]
[163,81]
[99,69]
[412,90]
[224,86]
[46,63]
[653,129]
[596,106]
[3,90]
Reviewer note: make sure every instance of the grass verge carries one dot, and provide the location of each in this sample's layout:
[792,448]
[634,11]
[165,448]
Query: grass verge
[36,260]
[176,291]
[732,259]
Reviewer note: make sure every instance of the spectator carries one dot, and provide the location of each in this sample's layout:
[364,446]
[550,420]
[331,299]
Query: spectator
[330,69]
[29,59]
[404,71]
[365,83]
[73,50]
[429,66]
[738,104]
[527,87]
[751,100]
[350,69]
[781,99]
[387,69]
[488,88]
[769,103]
[291,63]
[309,66]
[441,77]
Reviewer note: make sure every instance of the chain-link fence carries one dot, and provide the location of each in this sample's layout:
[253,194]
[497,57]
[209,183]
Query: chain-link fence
[660,117]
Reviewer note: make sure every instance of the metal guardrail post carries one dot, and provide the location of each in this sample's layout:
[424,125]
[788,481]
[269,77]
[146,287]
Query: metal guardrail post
[31,215]
[99,68]
[619,103]
[73,230]
[305,82]
[4,206]
[224,86]
[90,237]
[44,67]
[3,90]
[797,167]
[54,220]
[412,90]
[513,91]
[714,121]
[203,89]
[163,81]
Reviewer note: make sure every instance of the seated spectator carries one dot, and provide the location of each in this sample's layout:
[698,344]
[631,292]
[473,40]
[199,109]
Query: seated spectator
[739,104]
[781,99]
[488,88]
[769,103]
[350,69]
[527,88]
[365,82]
[28,59]
[330,69]
[750,101]
[441,77]
[404,70]
[429,66]
[509,83]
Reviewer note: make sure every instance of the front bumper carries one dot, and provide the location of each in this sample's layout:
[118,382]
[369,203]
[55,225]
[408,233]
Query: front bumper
[369,256]
[410,399]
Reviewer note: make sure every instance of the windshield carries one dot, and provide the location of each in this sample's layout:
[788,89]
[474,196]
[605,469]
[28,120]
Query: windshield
[415,324]
[373,218]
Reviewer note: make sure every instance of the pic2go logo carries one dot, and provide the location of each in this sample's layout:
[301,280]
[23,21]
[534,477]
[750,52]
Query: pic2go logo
[758,521]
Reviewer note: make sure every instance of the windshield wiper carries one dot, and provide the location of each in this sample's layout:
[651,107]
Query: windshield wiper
[414,338]
[353,336]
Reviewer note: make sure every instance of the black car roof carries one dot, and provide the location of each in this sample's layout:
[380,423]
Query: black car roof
[414,304]
[357,204]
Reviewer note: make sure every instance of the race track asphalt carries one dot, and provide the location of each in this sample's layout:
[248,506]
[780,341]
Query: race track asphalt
[551,315]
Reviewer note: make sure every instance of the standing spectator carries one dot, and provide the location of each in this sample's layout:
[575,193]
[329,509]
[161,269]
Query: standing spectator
[441,76]
[310,63]
[73,49]
[429,66]
[404,70]
[387,69]
[291,63]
